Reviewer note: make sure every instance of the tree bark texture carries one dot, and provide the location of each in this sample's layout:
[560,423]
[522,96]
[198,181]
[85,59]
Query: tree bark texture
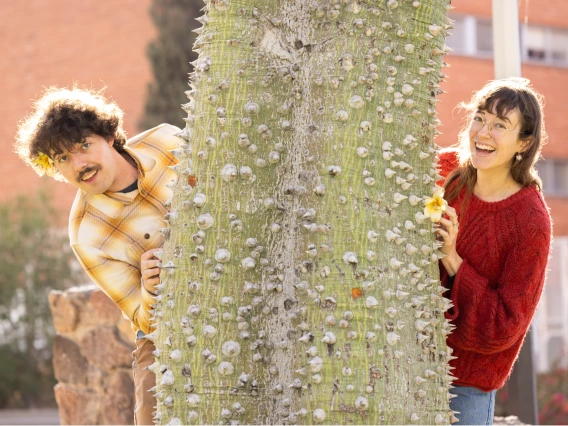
[300,279]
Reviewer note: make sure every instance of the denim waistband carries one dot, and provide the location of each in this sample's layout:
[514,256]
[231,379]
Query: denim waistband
[140,335]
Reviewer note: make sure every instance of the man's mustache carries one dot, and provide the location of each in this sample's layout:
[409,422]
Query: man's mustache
[86,171]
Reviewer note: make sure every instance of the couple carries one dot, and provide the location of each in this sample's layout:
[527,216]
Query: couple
[496,231]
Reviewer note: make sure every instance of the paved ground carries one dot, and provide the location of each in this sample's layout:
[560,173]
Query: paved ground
[511,420]
[47,416]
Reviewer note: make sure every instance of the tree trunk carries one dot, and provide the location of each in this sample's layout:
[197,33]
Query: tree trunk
[300,280]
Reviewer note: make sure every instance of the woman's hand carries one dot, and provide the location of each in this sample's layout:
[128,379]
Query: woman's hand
[149,270]
[448,228]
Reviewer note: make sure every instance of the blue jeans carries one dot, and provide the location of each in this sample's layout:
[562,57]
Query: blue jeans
[475,406]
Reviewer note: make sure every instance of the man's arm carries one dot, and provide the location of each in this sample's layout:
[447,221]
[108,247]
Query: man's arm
[120,281]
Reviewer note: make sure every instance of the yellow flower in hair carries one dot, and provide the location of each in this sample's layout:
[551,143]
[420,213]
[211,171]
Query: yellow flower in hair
[435,205]
[43,165]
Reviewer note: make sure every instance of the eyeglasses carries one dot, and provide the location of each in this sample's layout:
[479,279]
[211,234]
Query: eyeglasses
[497,130]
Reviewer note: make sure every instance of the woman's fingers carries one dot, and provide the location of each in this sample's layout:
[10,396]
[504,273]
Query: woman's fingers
[452,214]
[446,222]
[445,235]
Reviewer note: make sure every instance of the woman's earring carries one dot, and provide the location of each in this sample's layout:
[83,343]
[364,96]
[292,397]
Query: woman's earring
[519,157]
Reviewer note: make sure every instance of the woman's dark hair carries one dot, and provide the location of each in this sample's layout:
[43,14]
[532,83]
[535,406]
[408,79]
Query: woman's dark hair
[62,118]
[500,97]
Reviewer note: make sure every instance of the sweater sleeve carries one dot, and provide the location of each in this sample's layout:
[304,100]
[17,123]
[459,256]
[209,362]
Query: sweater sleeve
[447,163]
[491,317]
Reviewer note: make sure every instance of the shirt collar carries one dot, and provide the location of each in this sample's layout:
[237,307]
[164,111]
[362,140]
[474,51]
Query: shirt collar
[112,203]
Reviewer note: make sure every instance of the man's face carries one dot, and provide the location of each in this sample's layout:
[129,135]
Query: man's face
[90,166]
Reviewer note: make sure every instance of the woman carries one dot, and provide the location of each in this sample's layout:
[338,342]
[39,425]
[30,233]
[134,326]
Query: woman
[496,237]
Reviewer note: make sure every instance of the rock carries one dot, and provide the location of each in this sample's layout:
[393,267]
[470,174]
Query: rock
[103,348]
[76,406]
[64,311]
[96,378]
[106,311]
[69,365]
[118,404]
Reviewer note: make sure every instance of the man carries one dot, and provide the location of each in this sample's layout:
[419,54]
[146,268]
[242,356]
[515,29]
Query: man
[117,216]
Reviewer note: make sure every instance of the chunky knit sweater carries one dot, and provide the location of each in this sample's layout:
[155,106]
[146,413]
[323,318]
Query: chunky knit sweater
[504,246]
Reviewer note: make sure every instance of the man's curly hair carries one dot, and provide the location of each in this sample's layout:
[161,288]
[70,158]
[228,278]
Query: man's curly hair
[63,117]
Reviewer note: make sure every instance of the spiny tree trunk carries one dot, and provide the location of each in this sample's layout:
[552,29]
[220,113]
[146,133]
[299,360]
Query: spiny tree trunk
[300,280]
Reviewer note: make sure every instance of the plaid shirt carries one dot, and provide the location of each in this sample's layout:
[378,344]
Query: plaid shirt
[109,232]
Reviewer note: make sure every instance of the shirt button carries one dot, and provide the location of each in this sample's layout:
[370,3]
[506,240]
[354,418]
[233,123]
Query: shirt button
[147,236]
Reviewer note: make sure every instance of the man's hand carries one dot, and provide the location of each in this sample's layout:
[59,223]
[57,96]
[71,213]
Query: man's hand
[149,270]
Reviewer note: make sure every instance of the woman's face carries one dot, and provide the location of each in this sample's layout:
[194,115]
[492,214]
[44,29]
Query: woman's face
[494,141]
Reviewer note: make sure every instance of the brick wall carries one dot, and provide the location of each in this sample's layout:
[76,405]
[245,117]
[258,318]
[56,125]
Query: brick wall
[545,12]
[94,43]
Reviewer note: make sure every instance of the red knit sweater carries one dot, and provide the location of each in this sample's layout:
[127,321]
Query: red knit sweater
[504,246]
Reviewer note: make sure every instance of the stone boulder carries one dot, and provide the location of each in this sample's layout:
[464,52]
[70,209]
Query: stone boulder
[92,358]
[77,406]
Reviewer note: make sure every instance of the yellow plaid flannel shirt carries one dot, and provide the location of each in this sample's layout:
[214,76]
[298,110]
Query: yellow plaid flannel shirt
[109,232]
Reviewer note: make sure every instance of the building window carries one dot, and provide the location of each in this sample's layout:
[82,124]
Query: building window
[533,43]
[559,45]
[550,324]
[484,36]
[554,175]
[473,36]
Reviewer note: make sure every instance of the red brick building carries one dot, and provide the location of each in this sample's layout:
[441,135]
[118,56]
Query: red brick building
[102,43]
[94,43]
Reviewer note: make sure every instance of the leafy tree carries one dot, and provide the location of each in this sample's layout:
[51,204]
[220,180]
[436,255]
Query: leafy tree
[300,280]
[35,258]
[170,55]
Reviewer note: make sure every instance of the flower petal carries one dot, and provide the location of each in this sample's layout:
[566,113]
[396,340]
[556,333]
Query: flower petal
[436,216]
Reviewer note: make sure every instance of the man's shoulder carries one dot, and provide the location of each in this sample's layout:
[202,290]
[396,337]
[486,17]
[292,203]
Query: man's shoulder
[76,215]
[163,136]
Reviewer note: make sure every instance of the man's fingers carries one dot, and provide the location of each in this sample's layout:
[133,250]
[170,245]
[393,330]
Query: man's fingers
[150,283]
[149,264]
[151,272]
[149,254]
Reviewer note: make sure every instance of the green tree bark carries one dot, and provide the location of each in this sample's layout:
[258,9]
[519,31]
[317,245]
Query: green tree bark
[300,280]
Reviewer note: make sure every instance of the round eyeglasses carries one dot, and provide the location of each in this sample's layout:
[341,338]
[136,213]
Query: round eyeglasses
[496,129]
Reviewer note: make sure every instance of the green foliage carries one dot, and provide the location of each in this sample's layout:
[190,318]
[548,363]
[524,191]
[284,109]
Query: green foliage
[170,54]
[34,259]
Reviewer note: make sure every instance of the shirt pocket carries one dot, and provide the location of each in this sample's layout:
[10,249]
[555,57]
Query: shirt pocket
[148,239]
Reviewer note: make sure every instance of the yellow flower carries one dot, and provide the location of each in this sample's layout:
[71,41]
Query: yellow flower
[43,165]
[435,205]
